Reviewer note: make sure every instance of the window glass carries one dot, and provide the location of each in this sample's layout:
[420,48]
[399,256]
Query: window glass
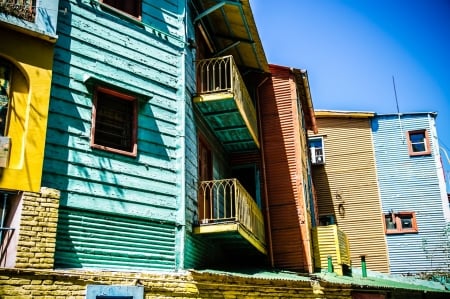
[316,150]
[400,222]
[114,123]
[131,7]
[418,141]
[5,82]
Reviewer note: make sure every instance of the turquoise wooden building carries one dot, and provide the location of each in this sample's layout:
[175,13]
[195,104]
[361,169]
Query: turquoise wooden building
[153,135]
[412,190]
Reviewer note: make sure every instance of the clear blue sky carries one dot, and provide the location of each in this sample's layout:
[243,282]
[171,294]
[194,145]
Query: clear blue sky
[352,49]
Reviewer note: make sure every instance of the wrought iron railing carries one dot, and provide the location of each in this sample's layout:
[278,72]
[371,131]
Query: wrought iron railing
[23,9]
[227,201]
[221,75]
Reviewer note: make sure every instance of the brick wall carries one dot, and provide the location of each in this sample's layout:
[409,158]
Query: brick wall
[37,233]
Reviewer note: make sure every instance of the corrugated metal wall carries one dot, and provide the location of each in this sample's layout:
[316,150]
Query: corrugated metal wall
[99,44]
[99,240]
[283,159]
[411,184]
[346,186]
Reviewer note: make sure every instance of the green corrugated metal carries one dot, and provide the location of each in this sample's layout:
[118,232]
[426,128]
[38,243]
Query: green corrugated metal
[93,240]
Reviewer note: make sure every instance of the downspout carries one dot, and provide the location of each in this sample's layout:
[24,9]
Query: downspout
[263,165]
[309,101]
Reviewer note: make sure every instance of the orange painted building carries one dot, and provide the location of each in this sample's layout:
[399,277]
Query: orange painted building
[286,114]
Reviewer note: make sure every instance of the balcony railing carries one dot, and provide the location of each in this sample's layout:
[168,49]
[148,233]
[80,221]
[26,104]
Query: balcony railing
[22,9]
[221,76]
[227,201]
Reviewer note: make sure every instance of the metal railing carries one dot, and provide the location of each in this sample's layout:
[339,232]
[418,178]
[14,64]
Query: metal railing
[23,9]
[221,75]
[227,201]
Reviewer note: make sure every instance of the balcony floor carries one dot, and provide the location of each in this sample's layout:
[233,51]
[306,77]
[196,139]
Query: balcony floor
[231,235]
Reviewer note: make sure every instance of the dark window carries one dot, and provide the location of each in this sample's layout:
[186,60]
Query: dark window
[418,143]
[400,222]
[5,93]
[131,7]
[114,122]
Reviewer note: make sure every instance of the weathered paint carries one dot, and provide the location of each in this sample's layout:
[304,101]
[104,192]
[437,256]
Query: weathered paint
[412,184]
[44,24]
[28,109]
[285,153]
[146,59]
[346,185]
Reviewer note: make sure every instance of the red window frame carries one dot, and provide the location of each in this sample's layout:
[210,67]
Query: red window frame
[426,143]
[104,109]
[395,219]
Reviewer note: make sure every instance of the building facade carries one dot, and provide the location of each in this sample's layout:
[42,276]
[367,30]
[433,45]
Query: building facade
[345,180]
[380,179]
[28,32]
[412,190]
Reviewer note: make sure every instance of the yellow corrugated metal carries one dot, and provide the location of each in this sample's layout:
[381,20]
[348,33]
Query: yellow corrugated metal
[330,241]
[346,186]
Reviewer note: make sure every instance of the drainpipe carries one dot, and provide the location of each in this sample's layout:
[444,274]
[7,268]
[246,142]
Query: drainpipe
[363,266]
[263,165]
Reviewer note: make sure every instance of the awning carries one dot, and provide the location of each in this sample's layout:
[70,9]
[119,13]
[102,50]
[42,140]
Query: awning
[231,28]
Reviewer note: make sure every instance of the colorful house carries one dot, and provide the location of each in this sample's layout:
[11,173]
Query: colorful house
[345,180]
[286,113]
[387,193]
[414,201]
[27,30]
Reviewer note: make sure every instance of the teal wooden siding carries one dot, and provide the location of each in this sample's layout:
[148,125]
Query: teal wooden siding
[412,184]
[146,59]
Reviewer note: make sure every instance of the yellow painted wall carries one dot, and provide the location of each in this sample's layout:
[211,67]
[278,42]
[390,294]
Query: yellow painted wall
[346,186]
[28,112]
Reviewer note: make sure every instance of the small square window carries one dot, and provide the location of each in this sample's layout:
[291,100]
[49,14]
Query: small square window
[131,7]
[400,222]
[316,150]
[114,122]
[418,143]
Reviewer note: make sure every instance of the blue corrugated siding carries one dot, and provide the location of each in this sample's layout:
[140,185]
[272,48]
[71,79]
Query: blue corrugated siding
[410,184]
[145,60]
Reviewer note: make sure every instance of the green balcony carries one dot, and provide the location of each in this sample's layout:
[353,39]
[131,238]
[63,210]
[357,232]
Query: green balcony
[230,216]
[225,104]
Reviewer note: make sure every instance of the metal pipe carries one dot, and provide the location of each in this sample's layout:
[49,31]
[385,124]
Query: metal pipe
[363,266]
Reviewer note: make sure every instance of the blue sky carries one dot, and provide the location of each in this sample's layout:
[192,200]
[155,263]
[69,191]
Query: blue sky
[353,48]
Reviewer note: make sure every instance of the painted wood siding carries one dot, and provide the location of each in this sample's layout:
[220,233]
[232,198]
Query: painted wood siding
[281,130]
[411,184]
[145,60]
[349,173]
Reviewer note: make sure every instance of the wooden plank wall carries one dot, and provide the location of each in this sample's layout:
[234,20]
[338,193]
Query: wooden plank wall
[145,59]
[412,184]
[282,143]
[346,187]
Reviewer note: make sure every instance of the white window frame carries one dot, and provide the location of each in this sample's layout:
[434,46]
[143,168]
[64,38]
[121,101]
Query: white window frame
[315,159]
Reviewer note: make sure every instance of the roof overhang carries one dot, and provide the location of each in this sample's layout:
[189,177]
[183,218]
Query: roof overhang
[231,30]
[343,114]
[301,78]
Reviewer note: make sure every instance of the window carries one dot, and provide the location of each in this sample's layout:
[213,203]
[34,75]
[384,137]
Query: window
[327,220]
[5,86]
[114,122]
[418,143]
[131,7]
[317,151]
[9,218]
[400,222]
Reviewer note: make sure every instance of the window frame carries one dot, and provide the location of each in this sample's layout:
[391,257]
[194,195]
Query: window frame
[133,121]
[399,228]
[312,155]
[426,143]
[137,5]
